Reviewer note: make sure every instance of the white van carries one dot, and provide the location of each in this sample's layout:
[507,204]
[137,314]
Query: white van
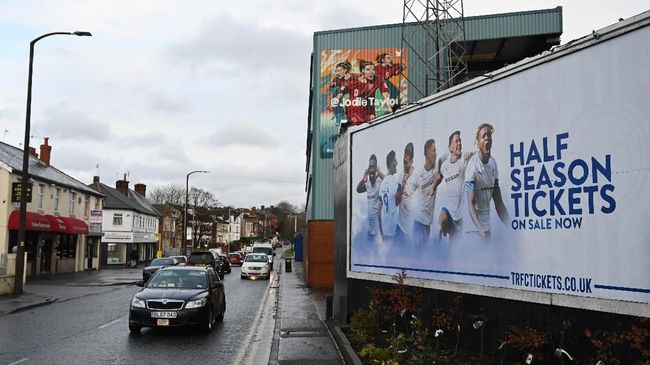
[265,248]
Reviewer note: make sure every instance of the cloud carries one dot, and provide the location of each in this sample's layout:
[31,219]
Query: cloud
[65,124]
[242,47]
[243,134]
[161,102]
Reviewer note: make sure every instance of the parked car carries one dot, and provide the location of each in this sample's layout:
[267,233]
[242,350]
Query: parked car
[182,260]
[157,264]
[266,248]
[256,265]
[179,296]
[226,263]
[206,258]
[235,259]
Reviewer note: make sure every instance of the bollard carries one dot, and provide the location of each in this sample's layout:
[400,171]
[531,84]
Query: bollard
[329,301]
[287,265]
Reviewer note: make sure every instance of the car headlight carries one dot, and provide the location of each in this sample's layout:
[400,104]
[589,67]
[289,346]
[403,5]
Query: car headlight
[196,303]
[137,302]
[265,267]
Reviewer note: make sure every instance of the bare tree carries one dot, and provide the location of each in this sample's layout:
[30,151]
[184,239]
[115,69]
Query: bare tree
[283,211]
[171,193]
[202,203]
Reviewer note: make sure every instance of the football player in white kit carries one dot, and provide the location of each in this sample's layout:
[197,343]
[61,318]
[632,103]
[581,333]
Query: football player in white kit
[388,196]
[449,195]
[482,184]
[403,199]
[425,183]
[370,184]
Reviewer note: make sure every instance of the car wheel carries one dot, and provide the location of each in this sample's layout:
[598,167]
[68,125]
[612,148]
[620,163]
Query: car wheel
[134,328]
[243,277]
[207,326]
[223,312]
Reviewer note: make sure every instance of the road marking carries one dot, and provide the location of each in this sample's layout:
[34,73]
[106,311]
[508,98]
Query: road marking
[110,323]
[19,361]
[250,349]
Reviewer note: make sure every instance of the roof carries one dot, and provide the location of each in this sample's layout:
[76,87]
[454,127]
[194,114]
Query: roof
[12,157]
[516,24]
[116,200]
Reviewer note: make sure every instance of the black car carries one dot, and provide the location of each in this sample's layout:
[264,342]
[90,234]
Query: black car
[206,258]
[179,296]
[157,264]
[226,263]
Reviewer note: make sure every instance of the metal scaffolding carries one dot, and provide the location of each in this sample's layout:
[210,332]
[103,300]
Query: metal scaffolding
[433,34]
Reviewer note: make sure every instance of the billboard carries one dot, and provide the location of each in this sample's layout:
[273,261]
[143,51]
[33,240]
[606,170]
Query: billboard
[357,86]
[535,181]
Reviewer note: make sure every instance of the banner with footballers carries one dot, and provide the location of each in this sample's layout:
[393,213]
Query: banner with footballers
[357,86]
[513,184]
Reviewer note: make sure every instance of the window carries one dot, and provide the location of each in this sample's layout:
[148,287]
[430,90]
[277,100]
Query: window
[117,219]
[73,197]
[66,246]
[96,203]
[57,198]
[41,189]
[87,206]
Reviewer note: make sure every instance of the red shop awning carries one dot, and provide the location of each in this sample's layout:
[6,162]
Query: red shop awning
[74,225]
[58,224]
[34,222]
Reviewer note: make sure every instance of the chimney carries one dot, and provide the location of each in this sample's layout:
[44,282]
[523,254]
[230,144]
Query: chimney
[46,150]
[122,186]
[32,151]
[141,189]
[95,179]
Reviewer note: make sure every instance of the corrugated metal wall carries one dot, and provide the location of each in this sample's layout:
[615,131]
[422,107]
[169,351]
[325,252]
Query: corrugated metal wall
[320,196]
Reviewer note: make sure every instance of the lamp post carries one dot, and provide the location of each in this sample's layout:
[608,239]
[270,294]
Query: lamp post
[187,196]
[24,178]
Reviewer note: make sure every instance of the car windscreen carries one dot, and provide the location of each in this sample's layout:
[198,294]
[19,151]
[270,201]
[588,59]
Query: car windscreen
[264,250]
[256,258]
[201,258]
[162,262]
[178,279]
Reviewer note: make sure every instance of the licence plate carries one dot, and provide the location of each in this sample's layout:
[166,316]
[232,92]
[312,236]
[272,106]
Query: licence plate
[162,322]
[163,314]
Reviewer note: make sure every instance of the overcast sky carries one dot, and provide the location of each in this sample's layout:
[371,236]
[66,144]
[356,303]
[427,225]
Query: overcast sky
[166,87]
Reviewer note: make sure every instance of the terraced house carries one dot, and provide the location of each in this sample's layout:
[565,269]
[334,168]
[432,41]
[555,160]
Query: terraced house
[60,236]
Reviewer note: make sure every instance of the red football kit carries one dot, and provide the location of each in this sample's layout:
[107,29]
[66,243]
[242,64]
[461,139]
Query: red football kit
[360,107]
[384,72]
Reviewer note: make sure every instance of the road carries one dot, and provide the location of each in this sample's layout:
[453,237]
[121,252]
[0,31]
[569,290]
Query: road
[93,329]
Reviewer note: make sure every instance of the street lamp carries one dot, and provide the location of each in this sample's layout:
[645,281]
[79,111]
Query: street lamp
[187,196]
[24,183]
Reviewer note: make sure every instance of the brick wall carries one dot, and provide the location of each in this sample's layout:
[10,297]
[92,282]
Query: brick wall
[319,254]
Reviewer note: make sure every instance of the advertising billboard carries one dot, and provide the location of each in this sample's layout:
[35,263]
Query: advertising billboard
[357,86]
[534,182]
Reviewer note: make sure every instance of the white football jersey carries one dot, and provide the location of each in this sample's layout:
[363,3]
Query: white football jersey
[389,207]
[452,187]
[424,195]
[373,205]
[482,179]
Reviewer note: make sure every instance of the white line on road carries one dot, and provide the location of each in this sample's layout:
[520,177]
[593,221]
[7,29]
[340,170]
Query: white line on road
[249,351]
[110,323]
[19,361]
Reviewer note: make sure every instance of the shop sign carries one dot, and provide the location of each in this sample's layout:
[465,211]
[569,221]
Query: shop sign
[95,216]
[16,189]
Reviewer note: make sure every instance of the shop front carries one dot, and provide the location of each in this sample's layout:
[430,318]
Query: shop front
[126,249]
[51,243]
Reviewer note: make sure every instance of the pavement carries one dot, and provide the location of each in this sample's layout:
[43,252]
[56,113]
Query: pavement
[300,333]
